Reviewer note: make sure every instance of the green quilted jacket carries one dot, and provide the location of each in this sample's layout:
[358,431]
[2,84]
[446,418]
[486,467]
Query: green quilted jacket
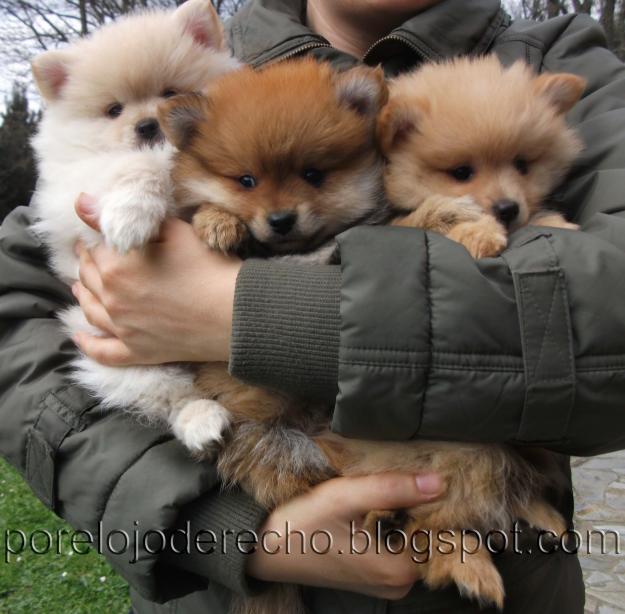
[407,338]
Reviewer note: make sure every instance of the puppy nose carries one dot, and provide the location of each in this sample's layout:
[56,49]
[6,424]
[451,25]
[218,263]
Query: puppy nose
[506,211]
[282,222]
[148,129]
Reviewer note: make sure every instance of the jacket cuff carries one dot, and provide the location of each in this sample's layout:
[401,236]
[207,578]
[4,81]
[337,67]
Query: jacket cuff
[220,527]
[285,329]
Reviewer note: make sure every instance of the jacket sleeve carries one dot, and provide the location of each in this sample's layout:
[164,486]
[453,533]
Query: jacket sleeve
[101,471]
[525,348]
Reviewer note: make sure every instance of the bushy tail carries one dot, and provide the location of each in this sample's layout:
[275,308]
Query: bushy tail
[278,599]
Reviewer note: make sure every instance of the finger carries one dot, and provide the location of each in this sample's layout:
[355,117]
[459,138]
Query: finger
[106,259]
[89,274]
[107,351]
[386,491]
[85,207]
[94,311]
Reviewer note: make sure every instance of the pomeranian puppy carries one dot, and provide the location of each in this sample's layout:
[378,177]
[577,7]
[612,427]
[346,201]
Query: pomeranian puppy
[276,163]
[473,150]
[100,135]
[280,160]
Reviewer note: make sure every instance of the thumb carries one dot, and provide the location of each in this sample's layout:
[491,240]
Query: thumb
[387,491]
[86,210]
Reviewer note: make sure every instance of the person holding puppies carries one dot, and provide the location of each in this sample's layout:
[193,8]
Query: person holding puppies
[526,348]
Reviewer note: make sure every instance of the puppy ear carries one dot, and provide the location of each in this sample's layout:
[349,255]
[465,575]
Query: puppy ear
[179,117]
[362,89]
[563,90]
[397,120]
[51,71]
[200,19]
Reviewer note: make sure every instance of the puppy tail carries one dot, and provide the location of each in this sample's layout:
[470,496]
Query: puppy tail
[278,599]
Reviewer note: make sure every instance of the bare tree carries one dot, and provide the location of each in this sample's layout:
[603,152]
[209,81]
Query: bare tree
[610,13]
[30,26]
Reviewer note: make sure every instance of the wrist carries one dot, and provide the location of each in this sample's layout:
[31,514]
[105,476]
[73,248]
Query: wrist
[214,301]
[260,564]
[225,309]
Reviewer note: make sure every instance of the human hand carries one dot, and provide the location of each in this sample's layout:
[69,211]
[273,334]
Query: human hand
[330,507]
[170,302]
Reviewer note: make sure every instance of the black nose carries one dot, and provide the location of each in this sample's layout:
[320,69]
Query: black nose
[148,129]
[506,211]
[282,222]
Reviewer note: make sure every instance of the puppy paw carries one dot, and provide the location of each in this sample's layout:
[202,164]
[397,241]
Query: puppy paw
[483,238]
[127,223]
[441,213]
[386,521]
[553,220]
[476,577]
[463,209]
[201,426]
[482,582]
[220,230]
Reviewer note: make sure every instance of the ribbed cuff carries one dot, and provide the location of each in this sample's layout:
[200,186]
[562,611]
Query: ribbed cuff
[286,327]
[228,516]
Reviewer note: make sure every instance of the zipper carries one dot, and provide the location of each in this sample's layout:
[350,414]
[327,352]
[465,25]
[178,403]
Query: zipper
[295,51]
[298,50]
[421,50]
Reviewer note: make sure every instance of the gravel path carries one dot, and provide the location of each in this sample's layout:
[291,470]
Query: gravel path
[600,503]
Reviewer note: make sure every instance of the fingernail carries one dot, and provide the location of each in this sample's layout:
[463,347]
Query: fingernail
[429,484]
[76,339]
[75,289]
[77,248]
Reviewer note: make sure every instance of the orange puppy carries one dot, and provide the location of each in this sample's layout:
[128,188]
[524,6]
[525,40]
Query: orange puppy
[276,163]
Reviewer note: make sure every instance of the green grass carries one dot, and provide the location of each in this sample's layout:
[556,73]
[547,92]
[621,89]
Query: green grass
[50,583]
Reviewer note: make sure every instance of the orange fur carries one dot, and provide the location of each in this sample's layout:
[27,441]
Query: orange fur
[274,125]
[476,113]
[487,487]
[263,452]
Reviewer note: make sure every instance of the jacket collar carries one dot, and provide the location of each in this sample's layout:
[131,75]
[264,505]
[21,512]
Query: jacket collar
[268,30]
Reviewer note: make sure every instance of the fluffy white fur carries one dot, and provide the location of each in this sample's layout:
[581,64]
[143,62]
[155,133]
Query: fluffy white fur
[80,148]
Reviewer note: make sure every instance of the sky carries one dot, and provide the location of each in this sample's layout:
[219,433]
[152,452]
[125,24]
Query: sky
[11,71]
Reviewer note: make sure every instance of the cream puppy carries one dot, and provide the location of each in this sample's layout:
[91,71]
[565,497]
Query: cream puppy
[100,135]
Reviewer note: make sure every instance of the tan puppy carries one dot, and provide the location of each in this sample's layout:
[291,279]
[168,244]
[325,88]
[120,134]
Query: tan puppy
[475,149]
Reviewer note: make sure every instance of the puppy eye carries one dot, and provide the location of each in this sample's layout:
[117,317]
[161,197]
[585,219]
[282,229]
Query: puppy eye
[169,93]
[462,173]
[248,182]
[522,165]
[314,176]
[114,110]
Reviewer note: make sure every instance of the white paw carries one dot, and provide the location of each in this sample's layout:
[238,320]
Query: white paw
[128,224]
[201,425]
